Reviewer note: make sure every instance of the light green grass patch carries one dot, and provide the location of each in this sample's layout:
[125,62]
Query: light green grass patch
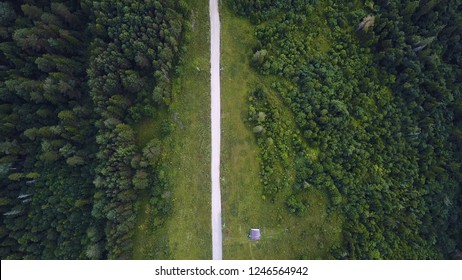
[186,157]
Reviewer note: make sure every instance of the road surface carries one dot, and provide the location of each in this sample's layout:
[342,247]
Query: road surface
[216,130]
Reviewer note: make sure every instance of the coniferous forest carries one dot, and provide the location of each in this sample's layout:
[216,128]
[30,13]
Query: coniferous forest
[75,75]
[374,88]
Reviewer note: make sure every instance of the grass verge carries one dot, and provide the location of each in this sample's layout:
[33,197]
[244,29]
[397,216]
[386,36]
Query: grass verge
[185,164]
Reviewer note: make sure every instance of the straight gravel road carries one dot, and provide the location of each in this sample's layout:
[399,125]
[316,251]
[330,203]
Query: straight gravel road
[216,130]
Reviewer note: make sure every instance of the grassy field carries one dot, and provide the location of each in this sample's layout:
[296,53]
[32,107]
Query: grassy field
[186,164]
[186,157]
[284,236]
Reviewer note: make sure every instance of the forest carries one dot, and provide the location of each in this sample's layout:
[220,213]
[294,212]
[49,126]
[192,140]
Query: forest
[374,88]
[76,76]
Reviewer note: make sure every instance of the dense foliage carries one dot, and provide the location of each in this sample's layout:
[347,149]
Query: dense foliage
[46,131]
[75,76]
[375,94]
[131,63]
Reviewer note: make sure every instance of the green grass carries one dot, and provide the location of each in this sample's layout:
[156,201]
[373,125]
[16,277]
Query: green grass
[186,164]
[284,236]
[186,157]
